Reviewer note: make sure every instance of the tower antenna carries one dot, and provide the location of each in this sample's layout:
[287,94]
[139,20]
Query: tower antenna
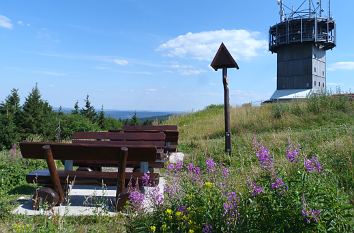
[329,8]
[281,12]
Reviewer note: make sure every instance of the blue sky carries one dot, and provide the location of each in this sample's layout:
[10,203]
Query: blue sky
[149,55]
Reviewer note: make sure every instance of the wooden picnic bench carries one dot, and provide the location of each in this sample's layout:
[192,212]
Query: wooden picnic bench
[171,132]
[122,138]
[56,181]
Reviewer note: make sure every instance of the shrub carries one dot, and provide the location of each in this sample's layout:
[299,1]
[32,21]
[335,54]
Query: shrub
[300,196]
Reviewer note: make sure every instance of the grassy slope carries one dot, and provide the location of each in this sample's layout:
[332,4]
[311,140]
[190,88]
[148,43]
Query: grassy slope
[322,126]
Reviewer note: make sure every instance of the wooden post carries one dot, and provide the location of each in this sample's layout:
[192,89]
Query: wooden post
[223,60]
[121,196]
[226,112]
[53,172]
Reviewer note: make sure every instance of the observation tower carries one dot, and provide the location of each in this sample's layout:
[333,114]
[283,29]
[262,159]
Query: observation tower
[301,40]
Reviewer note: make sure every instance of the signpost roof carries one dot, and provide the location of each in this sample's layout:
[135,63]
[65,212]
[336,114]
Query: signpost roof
[223,59]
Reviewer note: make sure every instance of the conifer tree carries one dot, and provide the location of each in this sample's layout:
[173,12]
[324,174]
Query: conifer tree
[76,108]
[37,116]
[88,111]
[101,119]
[134,120]
[11,107]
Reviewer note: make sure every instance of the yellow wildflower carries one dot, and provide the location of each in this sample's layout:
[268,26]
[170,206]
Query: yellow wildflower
[191,231]
[168,211]
[164,227]
[178,214]
[152,228]
[208,184]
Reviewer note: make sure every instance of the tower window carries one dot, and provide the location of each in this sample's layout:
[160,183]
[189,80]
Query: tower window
[314,83]
[323,73]
[322,84]
[319,84]
[315,69]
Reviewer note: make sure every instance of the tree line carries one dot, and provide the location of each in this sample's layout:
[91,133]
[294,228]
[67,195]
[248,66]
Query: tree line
[37,120]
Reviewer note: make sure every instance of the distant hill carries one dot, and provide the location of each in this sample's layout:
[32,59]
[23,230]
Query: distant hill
[142,115]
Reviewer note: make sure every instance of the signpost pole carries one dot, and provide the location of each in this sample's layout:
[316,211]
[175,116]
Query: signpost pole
[223,60]
[226,112]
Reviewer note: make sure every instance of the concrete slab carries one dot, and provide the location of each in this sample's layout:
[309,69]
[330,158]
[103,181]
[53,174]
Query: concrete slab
[86,200]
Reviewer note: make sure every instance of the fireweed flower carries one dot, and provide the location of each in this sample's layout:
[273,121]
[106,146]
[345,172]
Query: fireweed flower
[278,183]
[225,172]
[207,228]
[136,198]
[145,179]
[193,169]
[312,165]
[256,189]
[170,167]
[157,196]
[292,153]
[231,208]
[264,157]
[311,215]
[211,165]
[179,166]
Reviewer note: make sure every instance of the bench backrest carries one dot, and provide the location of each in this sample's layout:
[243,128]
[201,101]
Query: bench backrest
[86,152]
[171,132]
[121,138]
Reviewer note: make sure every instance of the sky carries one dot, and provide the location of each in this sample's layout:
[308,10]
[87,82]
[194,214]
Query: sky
[150,54]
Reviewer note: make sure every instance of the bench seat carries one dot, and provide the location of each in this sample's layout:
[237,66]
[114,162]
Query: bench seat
[42,177]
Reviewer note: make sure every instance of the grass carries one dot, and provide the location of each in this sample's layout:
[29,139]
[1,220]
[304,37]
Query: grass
[322,125]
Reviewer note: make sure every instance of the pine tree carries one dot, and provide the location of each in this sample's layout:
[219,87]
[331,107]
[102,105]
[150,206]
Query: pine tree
[134,120]
[11,107]
[76,108]
[101,119]
[37,116]
[88,111]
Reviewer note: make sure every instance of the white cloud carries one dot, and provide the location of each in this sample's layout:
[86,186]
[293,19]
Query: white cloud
[185,70]
[344,65]
[242,44]
[120,62]
[5,22]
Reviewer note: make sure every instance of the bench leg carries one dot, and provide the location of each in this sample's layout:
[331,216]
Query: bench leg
[45,196]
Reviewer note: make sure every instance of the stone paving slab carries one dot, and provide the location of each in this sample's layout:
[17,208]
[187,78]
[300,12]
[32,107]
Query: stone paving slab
[83,200]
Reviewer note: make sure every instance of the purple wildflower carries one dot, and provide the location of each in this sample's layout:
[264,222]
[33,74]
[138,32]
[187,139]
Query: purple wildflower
[210,165]
[278,183]
[225,172]
[157,196]
[145,179]
[231,207]
[264,157]
[312,164]
[197,171]
[179,166]
[311,215]
[292,153]
[182,209]
[256,189]
[207,228]
[190,167]
[136,198]
[170,167]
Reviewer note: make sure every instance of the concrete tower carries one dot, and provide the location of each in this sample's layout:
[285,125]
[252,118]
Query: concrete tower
[301,40]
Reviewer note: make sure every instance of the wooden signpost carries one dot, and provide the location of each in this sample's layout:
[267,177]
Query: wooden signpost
[224,60]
